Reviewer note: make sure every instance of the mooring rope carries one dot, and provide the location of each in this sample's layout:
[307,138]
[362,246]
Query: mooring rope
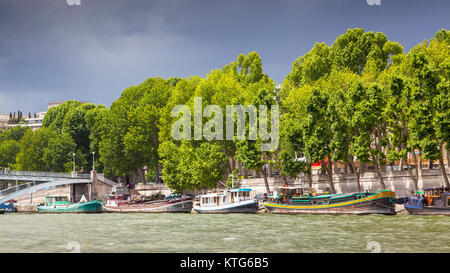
[382,205]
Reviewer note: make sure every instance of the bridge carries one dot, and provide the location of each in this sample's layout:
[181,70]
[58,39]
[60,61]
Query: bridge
[40,180]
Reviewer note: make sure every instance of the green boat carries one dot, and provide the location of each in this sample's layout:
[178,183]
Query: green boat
[61,204]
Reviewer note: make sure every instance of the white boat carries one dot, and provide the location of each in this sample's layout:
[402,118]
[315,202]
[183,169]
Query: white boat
[227,201]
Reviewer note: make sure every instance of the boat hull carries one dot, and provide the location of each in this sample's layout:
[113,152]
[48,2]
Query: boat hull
[417,210]
[166,206]
[88,207]
[244,207]
[7,207]
[376,204]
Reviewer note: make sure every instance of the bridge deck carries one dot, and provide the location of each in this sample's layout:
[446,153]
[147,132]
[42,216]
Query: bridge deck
[41,180]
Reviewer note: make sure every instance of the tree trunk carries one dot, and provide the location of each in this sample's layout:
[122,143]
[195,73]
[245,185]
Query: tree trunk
[329,171]
[266,182]
[414,178]
[309,175]
[400,165]
[335,167]
[284,179]
[448,158]
[157,173]
[141,175]
[351,168]
[377,168]
[416,167]
[430,164]
[352,164]
[230,164]
[420,159]
[345,168]
[441,164]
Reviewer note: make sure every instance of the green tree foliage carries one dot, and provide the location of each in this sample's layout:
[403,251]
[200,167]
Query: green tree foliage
[74,124]
[58,153]
[54,118]
[130,139]
[45,150]
[95,123]
[311,67]
[15,133]
[8,152]
[187,167]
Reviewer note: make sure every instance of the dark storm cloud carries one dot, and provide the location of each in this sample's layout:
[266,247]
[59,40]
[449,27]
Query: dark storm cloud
[52,51]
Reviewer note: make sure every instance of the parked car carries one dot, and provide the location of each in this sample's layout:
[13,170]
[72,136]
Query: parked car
[173,195]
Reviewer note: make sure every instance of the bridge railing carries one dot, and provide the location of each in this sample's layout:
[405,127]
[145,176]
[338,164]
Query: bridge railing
[45,174]
[13,189]
[105,180]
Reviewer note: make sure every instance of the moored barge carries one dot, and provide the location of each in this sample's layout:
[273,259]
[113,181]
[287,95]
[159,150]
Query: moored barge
[292,200]
[61,204]
[227,201]
[125,202]
[433,201]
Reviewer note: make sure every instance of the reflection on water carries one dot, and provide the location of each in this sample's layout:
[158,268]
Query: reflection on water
[109,232]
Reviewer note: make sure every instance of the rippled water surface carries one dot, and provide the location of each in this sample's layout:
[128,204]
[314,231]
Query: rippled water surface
[109,232]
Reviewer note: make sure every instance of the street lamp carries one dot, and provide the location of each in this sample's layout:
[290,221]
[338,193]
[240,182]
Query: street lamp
[73,162]
[93,161]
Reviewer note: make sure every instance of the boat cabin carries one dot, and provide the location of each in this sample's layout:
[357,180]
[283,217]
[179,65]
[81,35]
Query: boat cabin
[56,200]
[296,195]
[229,196]
[433,197]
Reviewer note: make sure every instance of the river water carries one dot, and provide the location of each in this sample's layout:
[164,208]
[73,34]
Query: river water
[109,232]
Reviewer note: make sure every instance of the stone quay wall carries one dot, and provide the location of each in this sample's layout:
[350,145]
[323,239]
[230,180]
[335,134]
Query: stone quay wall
[398,181]
[152,188]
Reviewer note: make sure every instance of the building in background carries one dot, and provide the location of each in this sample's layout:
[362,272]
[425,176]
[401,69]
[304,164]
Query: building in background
[56,103]
[3,120]
[35,122]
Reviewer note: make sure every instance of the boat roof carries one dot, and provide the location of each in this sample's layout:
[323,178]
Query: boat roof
[223,193]
[290,188]
[335,196]
[244,189]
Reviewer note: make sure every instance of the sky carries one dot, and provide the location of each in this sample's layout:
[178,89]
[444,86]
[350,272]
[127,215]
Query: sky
[50,50]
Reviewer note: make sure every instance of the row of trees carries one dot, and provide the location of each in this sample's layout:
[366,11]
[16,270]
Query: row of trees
[361,100]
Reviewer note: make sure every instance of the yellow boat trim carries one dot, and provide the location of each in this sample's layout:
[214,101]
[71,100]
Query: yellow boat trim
[373,197]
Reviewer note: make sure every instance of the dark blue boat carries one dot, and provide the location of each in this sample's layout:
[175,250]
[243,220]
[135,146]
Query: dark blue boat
[7,207]
[433,201]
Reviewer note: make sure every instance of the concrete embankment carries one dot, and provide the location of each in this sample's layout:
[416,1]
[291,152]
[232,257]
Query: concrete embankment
[24,207]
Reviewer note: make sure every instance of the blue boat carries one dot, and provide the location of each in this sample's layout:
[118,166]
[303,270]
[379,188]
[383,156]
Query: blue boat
[433,201]
[7,207]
